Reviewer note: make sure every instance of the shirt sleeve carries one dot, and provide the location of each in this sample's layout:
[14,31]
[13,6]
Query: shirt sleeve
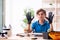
[48,26]
[32,26]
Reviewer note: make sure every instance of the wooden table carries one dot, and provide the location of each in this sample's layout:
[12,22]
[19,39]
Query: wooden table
[26,37]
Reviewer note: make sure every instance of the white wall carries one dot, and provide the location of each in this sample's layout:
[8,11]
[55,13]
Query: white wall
[15,12]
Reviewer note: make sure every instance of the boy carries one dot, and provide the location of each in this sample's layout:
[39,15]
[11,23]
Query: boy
[39,26]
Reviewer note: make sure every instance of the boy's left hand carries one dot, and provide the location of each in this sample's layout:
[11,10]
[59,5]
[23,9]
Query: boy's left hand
[50,17]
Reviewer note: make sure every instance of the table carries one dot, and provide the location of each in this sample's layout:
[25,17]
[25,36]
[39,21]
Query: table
[26,36]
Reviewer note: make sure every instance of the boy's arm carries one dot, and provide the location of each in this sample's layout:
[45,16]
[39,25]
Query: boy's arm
[50,19]
[29,18]
[51,27]
[28,29]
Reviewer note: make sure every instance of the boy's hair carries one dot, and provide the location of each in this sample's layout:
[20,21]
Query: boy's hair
[41,10]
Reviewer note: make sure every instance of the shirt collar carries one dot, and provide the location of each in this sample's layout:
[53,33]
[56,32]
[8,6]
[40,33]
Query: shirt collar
[43,23]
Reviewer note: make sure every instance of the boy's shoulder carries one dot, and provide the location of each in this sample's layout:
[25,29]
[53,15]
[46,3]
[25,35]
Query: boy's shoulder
[47,22]
[35,22]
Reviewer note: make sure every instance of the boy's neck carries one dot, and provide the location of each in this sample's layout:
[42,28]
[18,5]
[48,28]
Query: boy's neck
[41,22]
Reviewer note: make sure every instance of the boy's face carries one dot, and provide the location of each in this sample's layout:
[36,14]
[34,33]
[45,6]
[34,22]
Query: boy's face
[41,15]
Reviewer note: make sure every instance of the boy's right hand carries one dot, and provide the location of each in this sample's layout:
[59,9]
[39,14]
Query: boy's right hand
[29,17]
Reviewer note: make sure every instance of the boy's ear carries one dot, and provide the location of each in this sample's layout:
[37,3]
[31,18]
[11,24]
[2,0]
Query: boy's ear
[45,16]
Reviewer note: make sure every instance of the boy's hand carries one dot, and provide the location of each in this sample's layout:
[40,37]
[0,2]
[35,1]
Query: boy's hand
[50,17]
[29,17]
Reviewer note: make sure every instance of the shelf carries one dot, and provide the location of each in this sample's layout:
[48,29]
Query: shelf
[58,19]
[58,26]
[58,5]
[48,1]
[47,5]
[58,1]
[51,1]
[48,9]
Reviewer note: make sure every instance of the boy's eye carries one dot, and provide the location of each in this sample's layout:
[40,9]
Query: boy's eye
[41,14]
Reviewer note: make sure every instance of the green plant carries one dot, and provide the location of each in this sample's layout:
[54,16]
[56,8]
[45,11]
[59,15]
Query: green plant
[25,21]
[25,11]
